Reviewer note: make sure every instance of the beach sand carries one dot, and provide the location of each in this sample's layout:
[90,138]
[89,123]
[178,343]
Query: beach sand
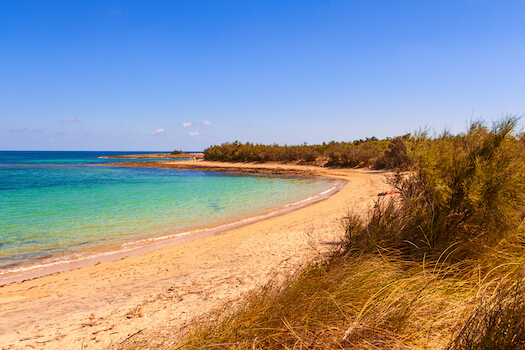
[157,294]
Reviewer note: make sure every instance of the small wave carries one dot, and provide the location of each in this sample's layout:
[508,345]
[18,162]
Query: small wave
[60,261]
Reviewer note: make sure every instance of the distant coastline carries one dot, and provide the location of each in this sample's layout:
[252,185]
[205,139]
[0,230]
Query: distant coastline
[191,155]
[270,168]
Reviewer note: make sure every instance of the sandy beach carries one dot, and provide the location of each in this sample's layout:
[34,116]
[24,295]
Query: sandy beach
[157,294]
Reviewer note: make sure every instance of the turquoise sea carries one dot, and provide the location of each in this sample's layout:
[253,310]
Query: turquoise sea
[55,207]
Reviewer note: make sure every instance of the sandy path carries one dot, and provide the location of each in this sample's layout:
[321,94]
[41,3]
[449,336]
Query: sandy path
[157,293]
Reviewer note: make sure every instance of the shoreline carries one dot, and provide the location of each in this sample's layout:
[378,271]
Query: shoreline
[159,293]
[51,265]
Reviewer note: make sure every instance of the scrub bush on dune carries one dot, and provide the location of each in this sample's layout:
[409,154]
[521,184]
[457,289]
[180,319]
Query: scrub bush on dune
[465,192]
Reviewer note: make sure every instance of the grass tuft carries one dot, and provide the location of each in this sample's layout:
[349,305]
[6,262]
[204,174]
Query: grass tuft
[497,323]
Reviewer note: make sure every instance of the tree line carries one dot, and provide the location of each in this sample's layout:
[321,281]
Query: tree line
[374,153]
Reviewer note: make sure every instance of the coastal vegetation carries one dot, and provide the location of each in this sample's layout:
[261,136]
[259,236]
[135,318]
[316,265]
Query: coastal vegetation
[379,154]
[439,265]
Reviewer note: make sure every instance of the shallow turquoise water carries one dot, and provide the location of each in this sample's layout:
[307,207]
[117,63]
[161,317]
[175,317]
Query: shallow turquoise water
[50,205]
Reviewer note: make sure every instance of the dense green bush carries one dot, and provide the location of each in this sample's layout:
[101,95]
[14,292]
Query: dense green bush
[249,152]
[395,155]
[374,153]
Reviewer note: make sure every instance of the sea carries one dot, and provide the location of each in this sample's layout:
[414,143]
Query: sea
[57,207]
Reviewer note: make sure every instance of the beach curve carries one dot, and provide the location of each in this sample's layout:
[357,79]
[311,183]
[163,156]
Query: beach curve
[103,304]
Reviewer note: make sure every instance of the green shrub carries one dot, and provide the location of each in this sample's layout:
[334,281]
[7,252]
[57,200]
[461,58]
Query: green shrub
[374,153]
[395,156]
[464,193]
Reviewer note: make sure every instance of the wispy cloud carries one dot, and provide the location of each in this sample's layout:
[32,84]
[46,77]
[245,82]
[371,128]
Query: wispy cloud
[19,131]
[157,132]
[206,122]
[69,120]
[28,130]
[184,125]
[194,133]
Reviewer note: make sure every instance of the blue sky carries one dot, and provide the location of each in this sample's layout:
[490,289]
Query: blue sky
[165,75]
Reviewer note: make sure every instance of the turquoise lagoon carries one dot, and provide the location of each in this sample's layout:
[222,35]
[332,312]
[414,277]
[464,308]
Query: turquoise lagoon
[54,207]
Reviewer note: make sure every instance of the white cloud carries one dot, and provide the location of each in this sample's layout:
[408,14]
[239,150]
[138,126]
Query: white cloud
[206,122]
[158,131]
[194,133]
[187,124]
[69,119]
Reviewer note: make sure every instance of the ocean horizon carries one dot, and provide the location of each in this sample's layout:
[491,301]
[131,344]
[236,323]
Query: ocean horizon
[55,207]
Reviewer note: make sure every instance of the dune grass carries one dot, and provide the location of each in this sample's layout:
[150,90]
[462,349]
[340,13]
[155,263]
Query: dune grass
[438,266]
[369,301]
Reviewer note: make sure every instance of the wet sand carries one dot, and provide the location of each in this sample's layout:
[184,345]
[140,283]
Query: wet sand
[157,294]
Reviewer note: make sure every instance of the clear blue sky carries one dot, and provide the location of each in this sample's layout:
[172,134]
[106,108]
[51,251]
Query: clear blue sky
[165,75]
